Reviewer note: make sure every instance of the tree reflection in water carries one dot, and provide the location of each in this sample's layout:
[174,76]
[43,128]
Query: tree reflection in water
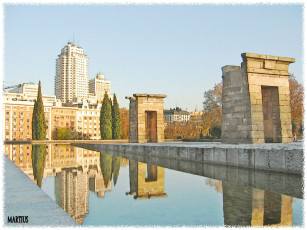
[115,168]
[110,165]
[38,162]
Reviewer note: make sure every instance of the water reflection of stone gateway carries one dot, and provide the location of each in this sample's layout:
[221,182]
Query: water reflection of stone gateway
[245,206]
[146,180]
[256,100]
[146,120]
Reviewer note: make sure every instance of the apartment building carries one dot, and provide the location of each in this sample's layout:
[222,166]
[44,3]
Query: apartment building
[18,119]
[88,119]
[63,117]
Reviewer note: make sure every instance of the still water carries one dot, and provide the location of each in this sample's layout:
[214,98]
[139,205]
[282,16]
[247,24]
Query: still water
[100,189]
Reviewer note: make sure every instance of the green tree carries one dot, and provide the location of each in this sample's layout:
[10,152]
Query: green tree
[38,117]
[115,168]
[106,167]
[215,130]
[63,134]
[106,118]
[116,120]
[38,162]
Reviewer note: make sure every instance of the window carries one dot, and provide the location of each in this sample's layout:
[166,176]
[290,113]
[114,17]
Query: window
[7,113]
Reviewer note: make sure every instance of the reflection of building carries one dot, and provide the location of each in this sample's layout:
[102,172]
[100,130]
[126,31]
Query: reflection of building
[21,155]
[176,115]
[124,162]
[96,184]
[244,206]
[77,171]
[71,192]
[146,181]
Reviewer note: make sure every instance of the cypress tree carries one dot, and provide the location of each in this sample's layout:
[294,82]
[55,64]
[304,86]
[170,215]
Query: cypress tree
[106,119]
[38,117]
[116,121]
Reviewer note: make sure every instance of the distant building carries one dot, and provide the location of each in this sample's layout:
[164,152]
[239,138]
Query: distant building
[25,88]
[80,116]
[27,92]
[99,85]
[196,116]
[72,78]
[18,119]
[18,107]
[176,115]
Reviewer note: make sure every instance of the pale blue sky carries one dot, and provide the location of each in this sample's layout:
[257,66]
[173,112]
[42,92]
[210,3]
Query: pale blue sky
[177,50]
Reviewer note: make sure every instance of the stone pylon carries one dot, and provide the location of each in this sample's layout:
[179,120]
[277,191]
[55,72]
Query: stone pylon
[256,100]
[146,118]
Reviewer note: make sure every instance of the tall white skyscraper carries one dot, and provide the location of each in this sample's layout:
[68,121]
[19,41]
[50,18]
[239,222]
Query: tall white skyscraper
[72,78]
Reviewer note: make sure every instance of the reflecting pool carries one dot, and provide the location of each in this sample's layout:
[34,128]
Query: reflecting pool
[100,189]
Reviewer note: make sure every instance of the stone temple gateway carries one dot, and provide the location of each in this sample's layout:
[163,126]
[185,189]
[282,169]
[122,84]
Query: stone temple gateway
[256,100]
[146,118]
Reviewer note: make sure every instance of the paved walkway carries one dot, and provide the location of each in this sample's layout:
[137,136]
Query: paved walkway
[24,198]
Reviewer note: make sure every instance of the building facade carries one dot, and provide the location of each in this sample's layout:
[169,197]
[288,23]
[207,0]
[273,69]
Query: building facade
[18,120]
[81,118]
[176,115]
[98,86]
[72,78]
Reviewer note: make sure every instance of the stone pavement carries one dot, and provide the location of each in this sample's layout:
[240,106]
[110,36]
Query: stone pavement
[24,198]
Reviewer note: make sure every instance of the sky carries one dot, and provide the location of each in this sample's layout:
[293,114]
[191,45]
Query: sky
[177,50]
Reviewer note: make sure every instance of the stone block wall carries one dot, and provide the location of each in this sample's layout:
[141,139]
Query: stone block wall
[256,100]
[236,107]
[142,105]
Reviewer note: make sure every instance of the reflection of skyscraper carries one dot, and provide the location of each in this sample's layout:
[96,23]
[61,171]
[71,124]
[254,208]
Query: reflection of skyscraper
[96,183]
[71,188]
[146,181]
[245,206]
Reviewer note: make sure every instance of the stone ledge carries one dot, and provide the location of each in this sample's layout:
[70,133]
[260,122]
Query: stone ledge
[24,198]
[267,57]
[288,183]
[254,156]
